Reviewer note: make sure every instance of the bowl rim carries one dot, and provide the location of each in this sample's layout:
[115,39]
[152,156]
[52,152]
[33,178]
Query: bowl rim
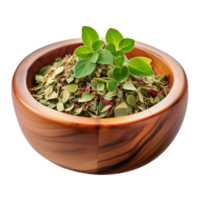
[22,94]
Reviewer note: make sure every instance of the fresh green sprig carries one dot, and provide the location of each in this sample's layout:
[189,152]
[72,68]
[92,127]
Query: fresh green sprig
[113,54]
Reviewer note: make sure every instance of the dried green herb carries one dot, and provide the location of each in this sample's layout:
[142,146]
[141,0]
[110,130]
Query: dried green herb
[100,83]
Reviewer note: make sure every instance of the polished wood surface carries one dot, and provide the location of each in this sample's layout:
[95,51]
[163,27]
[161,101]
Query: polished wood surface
[99,146]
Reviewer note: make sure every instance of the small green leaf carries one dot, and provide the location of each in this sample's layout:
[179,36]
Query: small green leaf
[121,110]
[100,86]
[120,93]
[105,57]
[126,61]
[120,53]
[120,73]
[69,107]
[151,99]
[97,45]
[131,100]
[60,106]
[161,97]
[94,57]
[65,96]
[83,52]
[112,85]
[109,73]
[101,79]
[94,88]
[111,94]
[147,60]
[89,35]
[44,70]
[140,96]
[53,95]
[84,68]
[86,96]
[106,108]
[70,88]
[111,47]
[94,82]
[126,44]
[142,107]
[119,61]
[69,80]
[140,68]
[101,106]
[102,92]
[39,78]
[59,70]
[113,36]
[156,100]
[129,86]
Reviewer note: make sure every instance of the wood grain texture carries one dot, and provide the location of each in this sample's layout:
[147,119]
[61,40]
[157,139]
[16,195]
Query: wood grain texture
[99,146]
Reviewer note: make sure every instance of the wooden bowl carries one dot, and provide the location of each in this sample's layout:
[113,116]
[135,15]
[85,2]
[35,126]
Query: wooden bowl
[99,146]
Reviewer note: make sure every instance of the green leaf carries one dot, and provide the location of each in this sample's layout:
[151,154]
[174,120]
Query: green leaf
[129,86]
[69,80]
[105,57]
[70,88]
[101,79]
[60,106]
[151,99]
[161,97]
[65,96]
[102,92]
[140,96]
[142,107]
[113,36]
[39,78]
[140,68]
[44,70]
[147,60]
[94,88]
[69,107]
[120,93]
[126,44]
[120,53]
[86,96]
[83,52]
[59,70]
[100,86]
[78,111]
[94,57]
[111,94]
[106,108]
[101,106]
[103,114]
[89,35]
[94,82]
[111,47]
[156,100]
[109,73]
[131,100]
[119,61]
[112,85]
[97,45]
[126,61]
[84,68]
[121,110]
[53,95]
[120,73]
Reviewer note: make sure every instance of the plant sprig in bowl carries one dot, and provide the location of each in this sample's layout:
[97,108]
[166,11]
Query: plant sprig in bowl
[113,54]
